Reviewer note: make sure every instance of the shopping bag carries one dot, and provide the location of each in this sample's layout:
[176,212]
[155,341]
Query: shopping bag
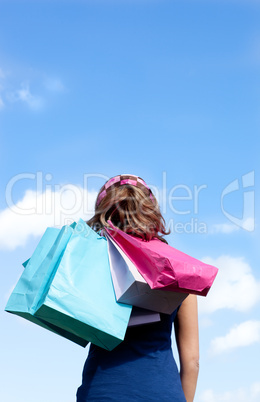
[39,269]
[131,288]
[141,316]
[164,267]
[77,294]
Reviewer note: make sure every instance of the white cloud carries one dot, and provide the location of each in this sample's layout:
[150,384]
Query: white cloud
[35,101]
[244,334]
[248,224]
[35,211]
[1,103]
[24,95]
[205,322]
[249,394]
[235,286]
[224,228]
[255,390]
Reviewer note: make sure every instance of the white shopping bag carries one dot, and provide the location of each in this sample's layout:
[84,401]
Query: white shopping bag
[140,316]
[131,288]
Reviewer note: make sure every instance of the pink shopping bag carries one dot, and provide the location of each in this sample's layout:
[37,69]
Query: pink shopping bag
[163,266]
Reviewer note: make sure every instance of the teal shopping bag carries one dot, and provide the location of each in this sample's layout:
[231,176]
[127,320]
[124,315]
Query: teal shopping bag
[40,268]
[78,297]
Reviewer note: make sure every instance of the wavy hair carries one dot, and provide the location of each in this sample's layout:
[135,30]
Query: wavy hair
[130,209]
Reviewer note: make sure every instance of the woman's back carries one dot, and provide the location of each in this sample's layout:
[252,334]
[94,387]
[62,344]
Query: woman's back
[141,368]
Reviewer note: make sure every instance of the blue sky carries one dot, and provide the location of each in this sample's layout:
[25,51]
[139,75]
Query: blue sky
[167,90]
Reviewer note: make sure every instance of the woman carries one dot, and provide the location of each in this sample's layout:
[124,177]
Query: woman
[142,367]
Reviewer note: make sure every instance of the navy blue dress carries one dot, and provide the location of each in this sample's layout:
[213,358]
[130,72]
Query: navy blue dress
[141,368]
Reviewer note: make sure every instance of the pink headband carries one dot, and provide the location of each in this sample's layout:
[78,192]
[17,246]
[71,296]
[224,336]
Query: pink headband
[124,179]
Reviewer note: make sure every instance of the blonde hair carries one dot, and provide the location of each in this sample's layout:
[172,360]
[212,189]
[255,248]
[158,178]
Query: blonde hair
[130,209]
